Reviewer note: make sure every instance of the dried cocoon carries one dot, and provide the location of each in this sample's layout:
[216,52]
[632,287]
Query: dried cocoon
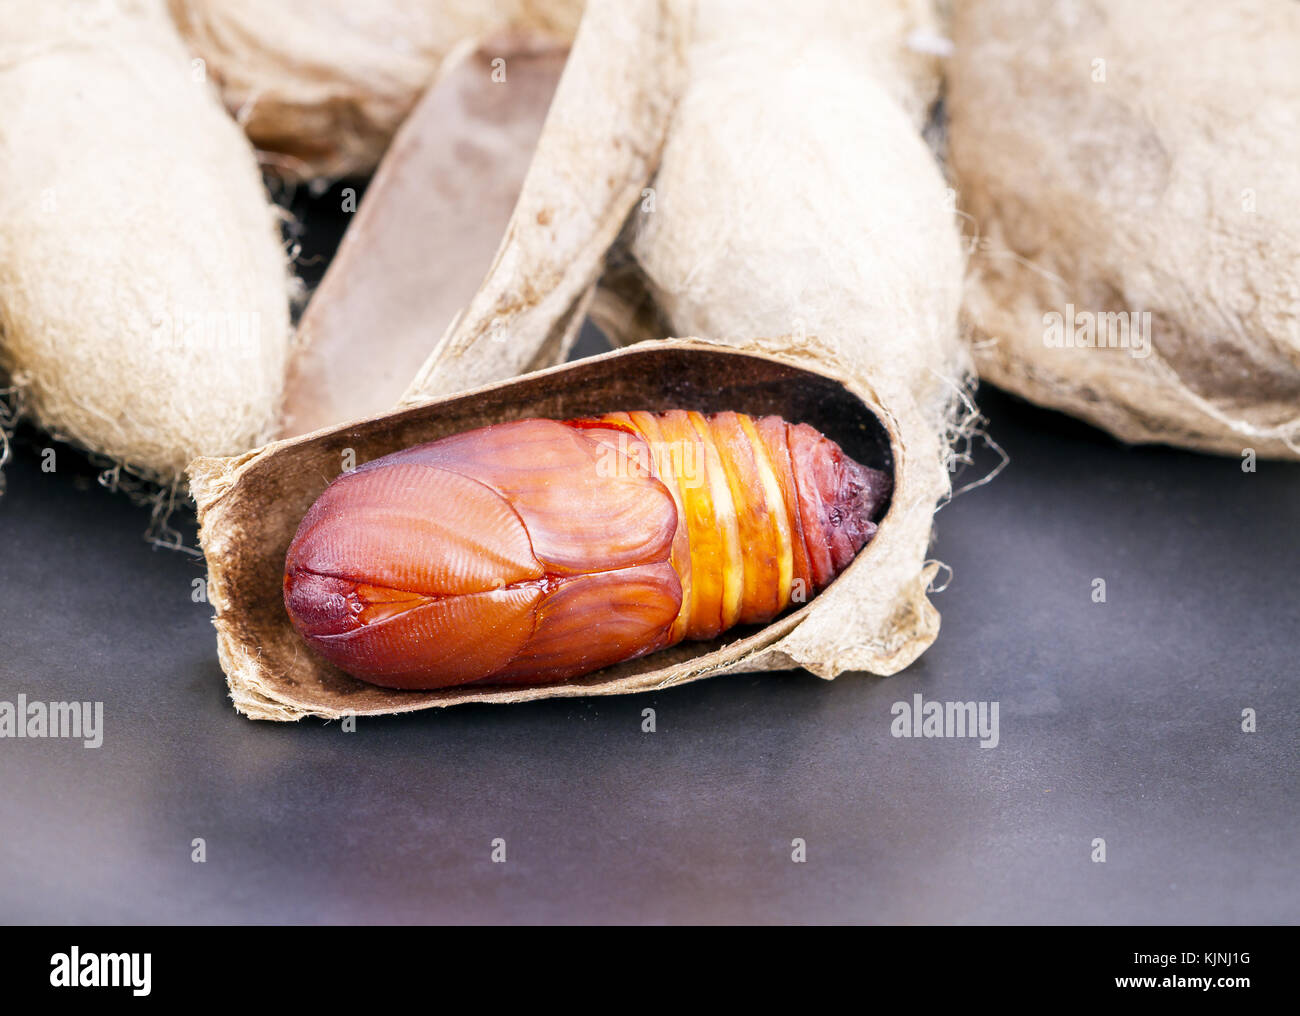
[797,210]
[250,508]
[143,289]
[1130,170]
[322,85]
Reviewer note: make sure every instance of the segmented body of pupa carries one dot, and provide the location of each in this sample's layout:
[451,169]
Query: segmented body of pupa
[539,550]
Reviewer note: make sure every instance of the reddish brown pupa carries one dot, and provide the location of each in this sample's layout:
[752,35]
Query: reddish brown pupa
[540,550]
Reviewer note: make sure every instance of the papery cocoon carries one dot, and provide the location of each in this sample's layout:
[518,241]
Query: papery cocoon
[322,85]
[1137,161]
[143,288]
[798,211]
[251,506]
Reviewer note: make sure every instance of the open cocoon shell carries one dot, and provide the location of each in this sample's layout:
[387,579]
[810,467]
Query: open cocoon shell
[321,86]
[143,289]
[1130,171]
[250,508]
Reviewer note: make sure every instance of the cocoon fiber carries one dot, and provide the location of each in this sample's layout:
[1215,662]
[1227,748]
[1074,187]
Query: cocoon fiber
[798,211]
[321,86]
[143,289]
[1131,172]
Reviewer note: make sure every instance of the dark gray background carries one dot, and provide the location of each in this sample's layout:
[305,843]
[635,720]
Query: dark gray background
[1118,720]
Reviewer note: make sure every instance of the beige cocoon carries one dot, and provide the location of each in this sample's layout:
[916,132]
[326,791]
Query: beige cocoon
[143,299]
[893,39]
[322,85]
[1132,171]
[797,211]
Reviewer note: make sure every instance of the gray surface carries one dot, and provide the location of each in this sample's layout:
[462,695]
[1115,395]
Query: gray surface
[1119,720]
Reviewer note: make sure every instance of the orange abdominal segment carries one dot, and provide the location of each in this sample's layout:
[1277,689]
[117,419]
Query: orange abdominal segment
[771,432]
[685,452]
[759,564]
[770,512]
[661,462]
